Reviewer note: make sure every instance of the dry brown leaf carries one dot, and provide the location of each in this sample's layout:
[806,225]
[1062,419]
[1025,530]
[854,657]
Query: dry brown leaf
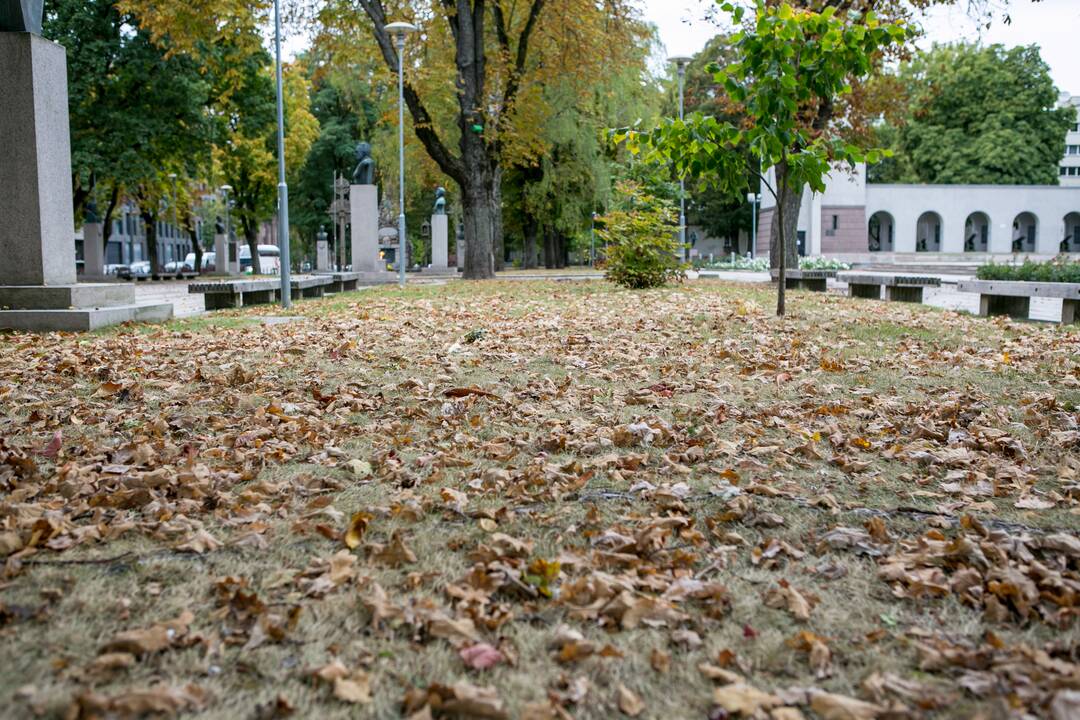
[629,702]
[841,707]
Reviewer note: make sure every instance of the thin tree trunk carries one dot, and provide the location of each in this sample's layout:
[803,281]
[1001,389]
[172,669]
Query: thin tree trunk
[790,215]
[150,220]
[107,218]
[251,235]
[531,227]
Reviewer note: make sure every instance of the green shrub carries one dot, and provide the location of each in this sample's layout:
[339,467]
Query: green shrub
[640,232]
[1060,269]
[822,263]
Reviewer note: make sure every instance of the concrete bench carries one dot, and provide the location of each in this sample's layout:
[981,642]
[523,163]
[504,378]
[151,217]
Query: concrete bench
[239,293]
[341,281]
[795,279]
[900,288]
[1013,297]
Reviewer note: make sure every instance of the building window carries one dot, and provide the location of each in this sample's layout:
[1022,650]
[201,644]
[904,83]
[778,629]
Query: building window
[1063,169]
[835,221]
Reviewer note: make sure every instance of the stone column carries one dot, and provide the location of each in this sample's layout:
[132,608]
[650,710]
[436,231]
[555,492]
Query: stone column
[93,252]
[440,249]
[37,238]
[322,256]
[221,255]
[234,257]
[364,211]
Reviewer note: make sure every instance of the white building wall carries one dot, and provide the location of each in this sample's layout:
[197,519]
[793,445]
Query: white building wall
[1070,164]
[1001,203]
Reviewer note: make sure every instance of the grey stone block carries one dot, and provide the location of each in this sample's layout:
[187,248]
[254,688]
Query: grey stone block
[37,238]
[61,297]
[83,319]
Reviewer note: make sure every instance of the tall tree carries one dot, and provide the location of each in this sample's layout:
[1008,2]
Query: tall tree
[983,115]
[474,80]
[245,151]
[136,110]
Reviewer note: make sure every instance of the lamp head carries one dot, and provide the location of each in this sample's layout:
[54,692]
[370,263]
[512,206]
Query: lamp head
[226,189]
[681,61]
[400,29]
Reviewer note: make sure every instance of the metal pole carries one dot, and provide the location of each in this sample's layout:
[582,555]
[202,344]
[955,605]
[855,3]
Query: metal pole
[592,241]
[682,182]
[283,188]
[753,225]
[401,159]
[220,263]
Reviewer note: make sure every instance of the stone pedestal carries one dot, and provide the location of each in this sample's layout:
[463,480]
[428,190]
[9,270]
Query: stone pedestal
[37,240]
[226,258]
[233,265]
[440,242]
[364,213]
[93,252]
[322,256]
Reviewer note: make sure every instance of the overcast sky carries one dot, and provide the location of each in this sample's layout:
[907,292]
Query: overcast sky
[1054,25]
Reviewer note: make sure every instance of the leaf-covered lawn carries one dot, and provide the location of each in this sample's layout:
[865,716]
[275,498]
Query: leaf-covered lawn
[544,500]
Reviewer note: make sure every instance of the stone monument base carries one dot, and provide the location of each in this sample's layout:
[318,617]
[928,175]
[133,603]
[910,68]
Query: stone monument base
[75,308]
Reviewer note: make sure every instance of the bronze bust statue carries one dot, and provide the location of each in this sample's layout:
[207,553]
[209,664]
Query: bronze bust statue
[440,201]
[90,213]
[21,16]
[364,174]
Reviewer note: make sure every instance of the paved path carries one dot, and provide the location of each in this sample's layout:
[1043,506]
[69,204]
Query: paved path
[170,291]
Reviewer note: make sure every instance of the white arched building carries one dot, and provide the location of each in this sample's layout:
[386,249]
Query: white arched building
[860,222]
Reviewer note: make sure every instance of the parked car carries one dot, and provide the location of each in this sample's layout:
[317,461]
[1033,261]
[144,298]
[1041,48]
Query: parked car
[189,261]
[134,270]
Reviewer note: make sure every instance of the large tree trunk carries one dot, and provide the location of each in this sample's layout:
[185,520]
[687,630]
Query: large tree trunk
[792,200]
[479,211]
[251,235]
[531,228]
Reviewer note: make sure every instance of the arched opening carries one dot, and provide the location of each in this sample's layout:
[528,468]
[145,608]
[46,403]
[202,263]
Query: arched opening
[1025,233]
[928,232]
[977,232]
[881,228]
[1071,242]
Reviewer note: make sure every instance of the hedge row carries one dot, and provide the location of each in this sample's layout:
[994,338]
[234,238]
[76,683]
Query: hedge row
[1056,271]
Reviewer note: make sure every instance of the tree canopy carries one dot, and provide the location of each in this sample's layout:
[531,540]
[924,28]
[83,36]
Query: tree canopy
[978,115]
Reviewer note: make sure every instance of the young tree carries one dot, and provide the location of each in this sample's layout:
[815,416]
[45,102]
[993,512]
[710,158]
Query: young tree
[791,60]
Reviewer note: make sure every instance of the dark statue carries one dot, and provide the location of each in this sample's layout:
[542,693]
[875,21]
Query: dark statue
[90,213]
[21,16]
[440,201]
[364,174]
[219,226]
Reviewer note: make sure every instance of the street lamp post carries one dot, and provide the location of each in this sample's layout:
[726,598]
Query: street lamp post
[175,223]
[753,199]
[220,263]
[399,30]
[283,188]
[681,61]
[592,242]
